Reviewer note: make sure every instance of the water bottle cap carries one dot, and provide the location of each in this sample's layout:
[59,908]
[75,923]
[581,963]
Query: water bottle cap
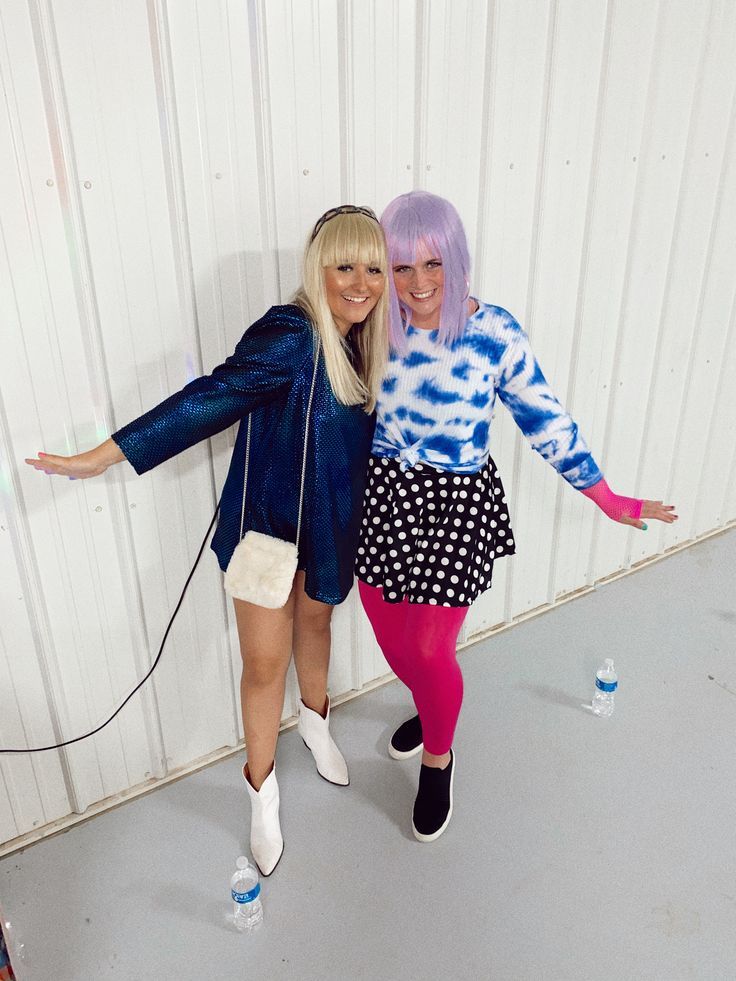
[242,862]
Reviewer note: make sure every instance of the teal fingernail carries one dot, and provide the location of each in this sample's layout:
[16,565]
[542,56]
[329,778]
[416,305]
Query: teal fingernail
[644,526]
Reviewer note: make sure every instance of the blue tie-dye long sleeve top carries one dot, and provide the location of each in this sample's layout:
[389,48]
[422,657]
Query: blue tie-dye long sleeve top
[437,402]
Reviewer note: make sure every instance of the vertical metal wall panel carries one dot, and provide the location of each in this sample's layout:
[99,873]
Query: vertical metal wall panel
[453,76]
[680,325]
[300,68]
[111,101]
[163,164]
[41,393]
[378,77]
[677,57]
[28,784]
[516,83]
[703,464]
[630,35]
[708,298]
[32,789]
[574,57]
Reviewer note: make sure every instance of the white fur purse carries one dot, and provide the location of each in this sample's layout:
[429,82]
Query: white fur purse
[262,568]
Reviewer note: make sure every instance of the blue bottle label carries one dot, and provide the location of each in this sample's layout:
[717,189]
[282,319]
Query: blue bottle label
[606,685]
[246,897]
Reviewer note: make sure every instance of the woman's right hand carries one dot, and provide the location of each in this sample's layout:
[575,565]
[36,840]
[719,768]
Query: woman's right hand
[89,464]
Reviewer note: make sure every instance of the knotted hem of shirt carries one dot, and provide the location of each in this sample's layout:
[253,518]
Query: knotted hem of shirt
[408,457]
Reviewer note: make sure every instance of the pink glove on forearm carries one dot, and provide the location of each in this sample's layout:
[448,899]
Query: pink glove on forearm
[613,505]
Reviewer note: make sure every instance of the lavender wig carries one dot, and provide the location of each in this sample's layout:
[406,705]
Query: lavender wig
[419,219]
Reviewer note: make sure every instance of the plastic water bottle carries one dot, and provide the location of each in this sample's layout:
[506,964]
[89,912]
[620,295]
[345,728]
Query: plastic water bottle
[12,951]
[606,683]
[246,892]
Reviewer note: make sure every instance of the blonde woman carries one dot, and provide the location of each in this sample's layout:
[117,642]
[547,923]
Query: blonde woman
[339,315]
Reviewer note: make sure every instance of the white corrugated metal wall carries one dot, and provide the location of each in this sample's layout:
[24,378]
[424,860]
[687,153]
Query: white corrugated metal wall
[161,163]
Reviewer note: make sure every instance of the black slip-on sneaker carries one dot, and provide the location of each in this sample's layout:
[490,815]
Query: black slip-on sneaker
[407,740]
[433,806]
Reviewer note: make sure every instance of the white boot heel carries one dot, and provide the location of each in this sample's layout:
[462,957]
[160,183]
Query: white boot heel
[266,843]
[315,731]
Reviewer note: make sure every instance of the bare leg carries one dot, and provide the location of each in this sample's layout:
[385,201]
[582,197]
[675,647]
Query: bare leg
[265,646]
[311,647]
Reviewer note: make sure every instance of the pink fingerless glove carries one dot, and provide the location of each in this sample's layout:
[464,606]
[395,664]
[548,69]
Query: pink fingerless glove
[613,505]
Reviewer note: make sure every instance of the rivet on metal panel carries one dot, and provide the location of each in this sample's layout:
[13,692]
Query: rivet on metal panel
[50,183]
[218,176]
[305,171]
[98,508]
[88,184]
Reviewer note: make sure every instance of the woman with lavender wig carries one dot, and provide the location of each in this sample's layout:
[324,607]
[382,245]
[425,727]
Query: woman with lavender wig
[435,516]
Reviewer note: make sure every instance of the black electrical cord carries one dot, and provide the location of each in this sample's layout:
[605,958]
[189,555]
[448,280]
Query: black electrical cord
[68,742]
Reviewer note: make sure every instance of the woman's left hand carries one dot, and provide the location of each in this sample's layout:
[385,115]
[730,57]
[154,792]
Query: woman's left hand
[628,510]
[651,509]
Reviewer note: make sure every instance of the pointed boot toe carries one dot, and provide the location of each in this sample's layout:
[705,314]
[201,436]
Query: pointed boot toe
[266,842]
[315,731]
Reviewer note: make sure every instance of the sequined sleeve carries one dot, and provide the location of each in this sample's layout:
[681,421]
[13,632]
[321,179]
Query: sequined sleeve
[263,366]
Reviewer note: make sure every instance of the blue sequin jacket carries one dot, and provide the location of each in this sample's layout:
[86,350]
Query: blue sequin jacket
[269,375]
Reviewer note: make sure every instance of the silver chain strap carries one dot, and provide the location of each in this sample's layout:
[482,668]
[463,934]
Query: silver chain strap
[304,456]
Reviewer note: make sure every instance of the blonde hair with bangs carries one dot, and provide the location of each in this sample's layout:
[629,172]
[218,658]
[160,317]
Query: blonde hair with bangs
[348,238]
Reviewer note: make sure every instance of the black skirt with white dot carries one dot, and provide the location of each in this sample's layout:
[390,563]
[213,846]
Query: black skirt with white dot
[431,536]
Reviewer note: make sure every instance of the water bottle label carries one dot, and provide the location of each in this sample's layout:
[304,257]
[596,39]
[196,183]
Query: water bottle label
[246,897]
[606,685]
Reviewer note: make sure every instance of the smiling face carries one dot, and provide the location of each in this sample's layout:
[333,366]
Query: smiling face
[353,290]
[420,287]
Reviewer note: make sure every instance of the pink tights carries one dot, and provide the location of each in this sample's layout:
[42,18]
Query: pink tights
[419,641]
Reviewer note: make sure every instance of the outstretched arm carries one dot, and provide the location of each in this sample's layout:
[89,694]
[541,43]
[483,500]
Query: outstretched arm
[554,434]
[264,363]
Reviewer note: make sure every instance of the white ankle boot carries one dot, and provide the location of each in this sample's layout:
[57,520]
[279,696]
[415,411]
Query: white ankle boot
[315,731]
[266,843]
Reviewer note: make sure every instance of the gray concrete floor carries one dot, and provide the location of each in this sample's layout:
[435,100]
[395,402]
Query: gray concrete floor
[581,849]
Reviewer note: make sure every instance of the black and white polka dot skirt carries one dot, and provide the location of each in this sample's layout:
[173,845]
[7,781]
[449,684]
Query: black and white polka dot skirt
[432,536]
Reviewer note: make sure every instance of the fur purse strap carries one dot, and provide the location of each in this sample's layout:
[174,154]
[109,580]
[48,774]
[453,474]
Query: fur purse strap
[304,455]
